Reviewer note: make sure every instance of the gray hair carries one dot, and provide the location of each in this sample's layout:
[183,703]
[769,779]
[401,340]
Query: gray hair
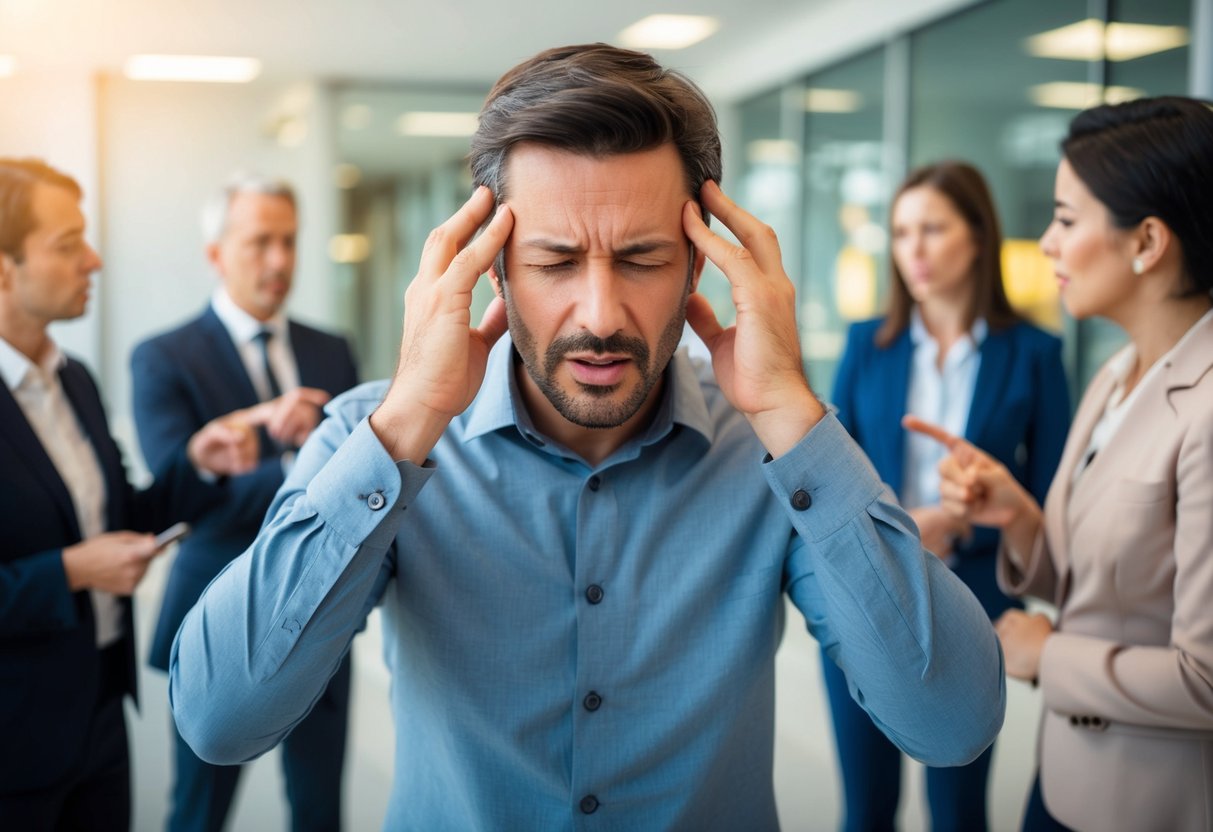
[215,211]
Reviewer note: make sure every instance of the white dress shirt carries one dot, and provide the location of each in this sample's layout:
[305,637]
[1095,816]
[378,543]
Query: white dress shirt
[40,395]
[941,395]
[243,329]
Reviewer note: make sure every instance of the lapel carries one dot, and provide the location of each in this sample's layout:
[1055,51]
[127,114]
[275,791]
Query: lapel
[893,389]
[227,359]
[991,380]
[1154,409]
[19,434]
[83,399]
[308,361]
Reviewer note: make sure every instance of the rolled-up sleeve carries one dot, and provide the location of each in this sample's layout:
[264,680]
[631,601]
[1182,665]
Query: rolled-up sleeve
[918,651]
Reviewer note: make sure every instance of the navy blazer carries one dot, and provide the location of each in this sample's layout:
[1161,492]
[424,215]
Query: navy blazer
[181,380]
[49,662]
[1020,415]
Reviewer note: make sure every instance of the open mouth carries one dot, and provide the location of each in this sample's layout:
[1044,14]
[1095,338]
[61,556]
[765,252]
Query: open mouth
[599,370]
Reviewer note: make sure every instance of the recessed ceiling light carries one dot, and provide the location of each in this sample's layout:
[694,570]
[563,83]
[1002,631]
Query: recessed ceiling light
[349,248]
[824,100]
[668,31]
[437,124]
[1092,40]
[1077,95]
[212,68]
[8,66]
[772,152]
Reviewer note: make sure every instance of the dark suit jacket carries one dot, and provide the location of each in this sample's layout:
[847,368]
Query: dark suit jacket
[181,380]
[1020,415]
[49,662]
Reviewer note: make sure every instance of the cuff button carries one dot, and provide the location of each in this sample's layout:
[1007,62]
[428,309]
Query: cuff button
[376,501]
[801,499]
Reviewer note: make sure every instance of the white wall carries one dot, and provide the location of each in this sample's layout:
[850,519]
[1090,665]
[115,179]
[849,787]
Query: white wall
[166,148]
[52,116]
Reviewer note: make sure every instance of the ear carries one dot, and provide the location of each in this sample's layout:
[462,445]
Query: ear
[213,257]
[495,279]
[697,267]
[7,266]
[1151,241]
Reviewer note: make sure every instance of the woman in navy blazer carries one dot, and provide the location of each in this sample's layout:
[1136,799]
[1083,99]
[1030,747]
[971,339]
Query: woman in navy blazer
[949,330]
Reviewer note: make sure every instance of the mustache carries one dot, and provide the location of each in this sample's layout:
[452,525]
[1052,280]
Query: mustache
[587,342]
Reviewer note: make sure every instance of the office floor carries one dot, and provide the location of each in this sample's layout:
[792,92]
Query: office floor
[806,781]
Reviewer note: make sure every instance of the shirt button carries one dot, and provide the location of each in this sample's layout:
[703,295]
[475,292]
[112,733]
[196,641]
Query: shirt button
[594,593]
[1073,720]
[589,804]
[595,482]
[592,701]
[375,501]
[801,499]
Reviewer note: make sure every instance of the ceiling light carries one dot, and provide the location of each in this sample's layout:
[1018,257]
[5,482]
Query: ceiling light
[212,68]
[437,124]
[349,248]
[1075,95]
[772,152]
[1091,40]
[668,31]
[823,100]
[8,66]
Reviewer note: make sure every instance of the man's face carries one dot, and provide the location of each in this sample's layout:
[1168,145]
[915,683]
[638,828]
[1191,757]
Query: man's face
[51,283]
[255,258]
[598,271]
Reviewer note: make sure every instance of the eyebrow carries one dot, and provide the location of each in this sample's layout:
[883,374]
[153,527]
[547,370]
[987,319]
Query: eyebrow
[75,231]
[559,247]
[1057,203]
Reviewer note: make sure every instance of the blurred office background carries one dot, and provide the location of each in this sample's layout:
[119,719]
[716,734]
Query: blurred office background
[366,106]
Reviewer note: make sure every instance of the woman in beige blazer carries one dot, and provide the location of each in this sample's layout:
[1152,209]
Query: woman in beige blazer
[1124,544]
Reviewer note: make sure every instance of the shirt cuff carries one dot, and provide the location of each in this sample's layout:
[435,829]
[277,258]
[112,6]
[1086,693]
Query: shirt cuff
[825,479]
[361,486]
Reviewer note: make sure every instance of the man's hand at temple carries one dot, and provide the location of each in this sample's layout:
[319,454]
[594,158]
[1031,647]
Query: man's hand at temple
[757,360]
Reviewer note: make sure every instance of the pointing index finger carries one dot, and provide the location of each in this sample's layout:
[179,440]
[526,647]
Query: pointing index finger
[910,422]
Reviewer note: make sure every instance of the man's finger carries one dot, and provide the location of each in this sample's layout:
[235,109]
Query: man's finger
[730,259]
[949,441]
[448,239]
[754,235]
[313,396]
[468,265]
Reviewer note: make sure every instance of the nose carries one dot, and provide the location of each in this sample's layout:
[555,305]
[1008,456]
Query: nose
[600,308]
[92,260]
[281,257]
[1048,243]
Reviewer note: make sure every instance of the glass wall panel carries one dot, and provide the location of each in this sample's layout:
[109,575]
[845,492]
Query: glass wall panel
[403,171]
[848,175]
[1146,45]
[989,87]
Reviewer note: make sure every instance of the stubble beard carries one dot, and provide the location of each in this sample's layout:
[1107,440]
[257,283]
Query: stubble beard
[593,407]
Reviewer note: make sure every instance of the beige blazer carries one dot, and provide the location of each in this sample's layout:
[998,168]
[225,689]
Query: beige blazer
[1126,740]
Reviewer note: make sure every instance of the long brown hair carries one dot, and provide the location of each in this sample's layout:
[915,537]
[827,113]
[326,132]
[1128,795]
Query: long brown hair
[966,189]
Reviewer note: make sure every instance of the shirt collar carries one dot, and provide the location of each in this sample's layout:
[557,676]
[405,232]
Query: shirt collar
[499,402]
[15,365]
[918,330]
[242,326]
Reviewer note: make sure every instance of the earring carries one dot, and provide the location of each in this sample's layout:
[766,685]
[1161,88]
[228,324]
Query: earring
[1138,266]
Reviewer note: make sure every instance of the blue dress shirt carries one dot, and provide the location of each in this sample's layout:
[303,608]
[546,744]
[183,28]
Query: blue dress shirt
[578,647]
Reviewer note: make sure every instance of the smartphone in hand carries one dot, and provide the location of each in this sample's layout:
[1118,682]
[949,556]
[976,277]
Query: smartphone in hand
[171,535]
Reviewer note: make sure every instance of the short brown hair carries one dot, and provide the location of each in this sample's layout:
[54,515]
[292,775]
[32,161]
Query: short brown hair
[596,100]
[17,180]
[964,186]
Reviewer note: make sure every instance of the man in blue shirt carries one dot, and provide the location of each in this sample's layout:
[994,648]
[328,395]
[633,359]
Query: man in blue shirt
[581,538]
